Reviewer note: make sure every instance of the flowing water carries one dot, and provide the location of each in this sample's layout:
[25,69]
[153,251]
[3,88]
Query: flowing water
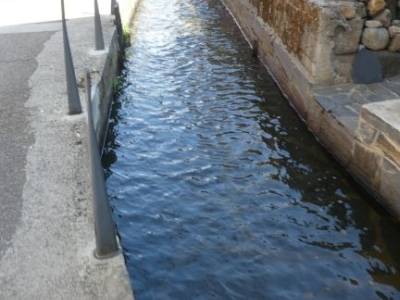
[218,190]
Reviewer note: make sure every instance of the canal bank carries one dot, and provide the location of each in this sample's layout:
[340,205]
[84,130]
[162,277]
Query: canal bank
[47,224]
[309,48]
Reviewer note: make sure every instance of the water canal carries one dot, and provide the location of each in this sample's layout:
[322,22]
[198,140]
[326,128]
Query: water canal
[218,190]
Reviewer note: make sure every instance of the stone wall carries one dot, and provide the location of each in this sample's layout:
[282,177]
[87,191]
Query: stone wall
[309,47]
[291,20]
[325,35]
[382,28]
[292,73]
[378,150]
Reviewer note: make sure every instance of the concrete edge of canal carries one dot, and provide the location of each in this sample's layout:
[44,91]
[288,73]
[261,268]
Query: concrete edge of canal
[357,123]
[50,254]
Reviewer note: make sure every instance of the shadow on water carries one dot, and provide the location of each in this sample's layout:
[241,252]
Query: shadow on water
[218,189]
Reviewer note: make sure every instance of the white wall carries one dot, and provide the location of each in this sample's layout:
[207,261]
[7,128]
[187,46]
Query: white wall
[14,12]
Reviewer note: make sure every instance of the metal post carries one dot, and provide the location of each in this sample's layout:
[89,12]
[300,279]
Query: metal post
[98,31]
[106,242]
[113,3]
[74,102]
[118,25]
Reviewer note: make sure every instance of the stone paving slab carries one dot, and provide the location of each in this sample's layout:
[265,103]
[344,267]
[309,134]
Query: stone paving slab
[393,84]
[384,116]
[345,101]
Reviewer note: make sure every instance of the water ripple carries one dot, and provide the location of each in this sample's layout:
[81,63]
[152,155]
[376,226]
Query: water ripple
[218,190]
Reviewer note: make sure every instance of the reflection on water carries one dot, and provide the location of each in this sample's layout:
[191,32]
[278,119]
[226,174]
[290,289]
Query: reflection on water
[218,190]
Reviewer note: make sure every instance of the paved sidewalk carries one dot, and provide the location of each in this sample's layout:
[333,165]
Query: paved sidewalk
[46,216]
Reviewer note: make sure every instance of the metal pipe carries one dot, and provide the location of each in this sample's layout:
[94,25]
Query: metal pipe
[74,102]
[106,242]
[98,30]
[113,3]
[118,25]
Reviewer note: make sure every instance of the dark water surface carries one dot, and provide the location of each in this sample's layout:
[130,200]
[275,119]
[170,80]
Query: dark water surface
[218,190]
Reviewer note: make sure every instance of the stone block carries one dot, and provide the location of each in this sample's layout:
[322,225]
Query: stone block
[376,38]
[385,117]
[366,133]
[336,138]
[394,45]
[389,187]
[376,6]
[365,164]
[299,102]
[389,148]
[348,11]
[344,67]
[385,17]
[394,30]
[314,116]
[347,38]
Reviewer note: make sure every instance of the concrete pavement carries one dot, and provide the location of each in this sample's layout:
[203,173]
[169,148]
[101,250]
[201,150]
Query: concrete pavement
[17,61]
[46,217]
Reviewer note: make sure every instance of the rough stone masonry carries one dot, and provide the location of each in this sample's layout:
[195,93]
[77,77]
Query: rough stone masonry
[309,46]
[325,35]
[382,26]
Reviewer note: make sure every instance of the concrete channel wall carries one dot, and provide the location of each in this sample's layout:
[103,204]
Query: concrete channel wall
[303,45]
[102,93]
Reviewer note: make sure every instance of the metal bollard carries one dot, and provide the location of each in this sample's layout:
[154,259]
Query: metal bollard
[74,102]
[113,3]
[118,25]
[106,242]
[98,30]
